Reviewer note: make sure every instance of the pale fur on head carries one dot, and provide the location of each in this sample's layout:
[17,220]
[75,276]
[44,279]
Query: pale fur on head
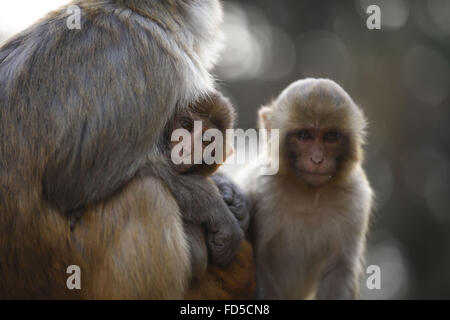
[310,102]
[310,244]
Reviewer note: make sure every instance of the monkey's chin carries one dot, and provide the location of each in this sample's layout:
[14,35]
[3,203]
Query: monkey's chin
[315,179]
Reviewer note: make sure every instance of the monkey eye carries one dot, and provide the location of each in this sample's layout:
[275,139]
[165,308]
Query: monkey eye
[186,123]
[331,136]
[304,134]
[206,143]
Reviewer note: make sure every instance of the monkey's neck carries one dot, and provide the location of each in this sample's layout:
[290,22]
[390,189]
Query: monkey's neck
[290,181]
[316,198]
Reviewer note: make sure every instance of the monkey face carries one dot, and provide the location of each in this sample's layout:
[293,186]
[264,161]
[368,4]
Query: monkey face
[196,128]
[209,117]
[322,129]
[315,153]
[195,135]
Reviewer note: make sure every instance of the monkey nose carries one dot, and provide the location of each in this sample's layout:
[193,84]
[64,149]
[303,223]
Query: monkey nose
[317,160]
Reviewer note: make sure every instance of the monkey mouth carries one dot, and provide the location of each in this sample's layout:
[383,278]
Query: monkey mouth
[316,173]
[315,178]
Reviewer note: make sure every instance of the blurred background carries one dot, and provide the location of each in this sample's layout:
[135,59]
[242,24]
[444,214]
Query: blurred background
[399,75]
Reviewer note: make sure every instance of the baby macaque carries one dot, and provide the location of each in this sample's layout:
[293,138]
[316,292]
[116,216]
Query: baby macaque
[197,127]
[309,221]
[213,115]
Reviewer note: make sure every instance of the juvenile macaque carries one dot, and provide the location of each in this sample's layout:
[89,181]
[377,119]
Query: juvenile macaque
[217,114]
[83,174]
[188,181]
[309,221]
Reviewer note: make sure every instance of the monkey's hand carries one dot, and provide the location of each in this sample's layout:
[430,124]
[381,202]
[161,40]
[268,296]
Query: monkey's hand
[224,234]
[201,203]
[237,200]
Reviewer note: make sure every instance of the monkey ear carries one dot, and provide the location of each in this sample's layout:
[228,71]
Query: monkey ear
[265,114]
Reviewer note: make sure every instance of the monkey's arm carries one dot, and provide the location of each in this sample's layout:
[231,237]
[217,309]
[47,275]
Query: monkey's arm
[340,278]
[234,196]
[266,288]
[196,238]
[201,203]
[340,283]
[238,203]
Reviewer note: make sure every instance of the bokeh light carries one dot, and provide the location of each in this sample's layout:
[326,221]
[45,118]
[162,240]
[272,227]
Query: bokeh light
[254,49]
[394,13]
[433,18]
[322,54]
[387,254]
[427,74]
[400,75]
[439,11]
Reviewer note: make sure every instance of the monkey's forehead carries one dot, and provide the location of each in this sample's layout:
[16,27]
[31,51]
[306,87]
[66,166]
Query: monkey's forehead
[315,92]
[343,116]
[319,102]
[320,108]
[312,83]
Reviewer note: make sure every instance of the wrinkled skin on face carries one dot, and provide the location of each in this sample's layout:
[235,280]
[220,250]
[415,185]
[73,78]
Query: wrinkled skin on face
[315,153]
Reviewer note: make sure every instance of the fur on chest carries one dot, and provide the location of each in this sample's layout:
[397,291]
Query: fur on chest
[309,226]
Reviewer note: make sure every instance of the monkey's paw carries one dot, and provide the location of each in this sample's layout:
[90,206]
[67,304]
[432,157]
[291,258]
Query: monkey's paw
[236,199]
[224,243]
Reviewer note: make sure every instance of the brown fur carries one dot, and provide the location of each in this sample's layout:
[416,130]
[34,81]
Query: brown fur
[237,281]
[81,114]
[115,262]
[309,239]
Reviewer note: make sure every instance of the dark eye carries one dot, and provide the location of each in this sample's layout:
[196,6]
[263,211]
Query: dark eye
[331,136]
[304,134]
[205,142]
[186,123]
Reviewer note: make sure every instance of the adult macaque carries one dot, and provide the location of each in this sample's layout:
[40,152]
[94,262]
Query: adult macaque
[309,221]
[82,116]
